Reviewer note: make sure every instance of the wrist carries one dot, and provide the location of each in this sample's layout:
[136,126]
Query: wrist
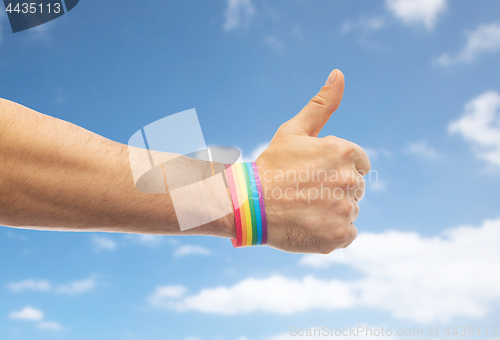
[248,204]
[220,203]
[224,226]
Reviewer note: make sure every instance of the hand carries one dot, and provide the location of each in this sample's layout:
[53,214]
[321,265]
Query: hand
[312,185]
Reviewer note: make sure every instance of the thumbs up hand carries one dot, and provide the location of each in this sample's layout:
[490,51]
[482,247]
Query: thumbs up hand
[312,185]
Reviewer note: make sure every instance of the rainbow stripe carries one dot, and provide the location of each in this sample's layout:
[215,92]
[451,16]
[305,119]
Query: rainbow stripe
[248,204]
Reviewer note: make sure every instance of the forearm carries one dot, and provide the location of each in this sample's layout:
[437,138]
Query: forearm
[58,176]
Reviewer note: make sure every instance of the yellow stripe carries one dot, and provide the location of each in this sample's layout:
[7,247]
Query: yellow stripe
[246,205]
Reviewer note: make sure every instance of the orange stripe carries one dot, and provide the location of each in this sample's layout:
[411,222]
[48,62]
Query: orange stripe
[246,205]
[212,167]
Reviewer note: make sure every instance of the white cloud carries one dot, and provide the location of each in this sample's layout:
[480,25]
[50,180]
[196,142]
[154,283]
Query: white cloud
[424,278]
[369,24]
[103,243]
[72,288]
[480,125]
[15,235]
[298,33]
[417,12]
[276,294]
[32,314]
[376,185]
[375,154]
[420,278]
[162,294]
[50,325]
[255,153]
[371,153]
[373,183]
[274,42]
[33,285]
[145,240]
[421,148]
[191,250]
[76,287]
[238,13]
[27,313]
[486,38]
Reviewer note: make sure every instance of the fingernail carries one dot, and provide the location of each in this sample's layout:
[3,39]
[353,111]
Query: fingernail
[331,78]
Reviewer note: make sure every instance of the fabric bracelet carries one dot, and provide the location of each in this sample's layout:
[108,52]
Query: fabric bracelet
[248,204]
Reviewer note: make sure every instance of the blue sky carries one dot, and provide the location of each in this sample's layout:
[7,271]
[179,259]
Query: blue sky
[422,96]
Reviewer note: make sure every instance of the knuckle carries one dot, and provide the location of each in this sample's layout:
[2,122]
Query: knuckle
[359,193]
[355,212]
[331,146]
[325,99]
[341,233]
[336,237]
[368,163]
[349,151]
[345,208]
[334,145]
[319,100]
[349,180]
[331,141]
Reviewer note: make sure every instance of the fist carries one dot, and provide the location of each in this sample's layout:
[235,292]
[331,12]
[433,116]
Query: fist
[312,185]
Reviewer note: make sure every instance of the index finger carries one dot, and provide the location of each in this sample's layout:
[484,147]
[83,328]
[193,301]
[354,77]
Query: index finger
[362,162]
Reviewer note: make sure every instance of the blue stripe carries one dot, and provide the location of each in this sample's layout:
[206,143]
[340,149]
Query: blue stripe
[255,196]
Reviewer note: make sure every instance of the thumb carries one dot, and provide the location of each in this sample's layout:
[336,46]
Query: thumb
[311,119]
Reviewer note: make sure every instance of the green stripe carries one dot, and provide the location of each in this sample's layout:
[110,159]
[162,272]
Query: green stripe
[252,207]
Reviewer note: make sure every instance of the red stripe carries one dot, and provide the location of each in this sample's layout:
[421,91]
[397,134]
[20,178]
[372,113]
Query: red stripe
[236,207]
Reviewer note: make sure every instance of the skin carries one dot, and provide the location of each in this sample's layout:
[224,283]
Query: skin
[58,176]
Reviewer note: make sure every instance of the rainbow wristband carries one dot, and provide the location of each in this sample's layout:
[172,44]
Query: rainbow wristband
[248,204]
